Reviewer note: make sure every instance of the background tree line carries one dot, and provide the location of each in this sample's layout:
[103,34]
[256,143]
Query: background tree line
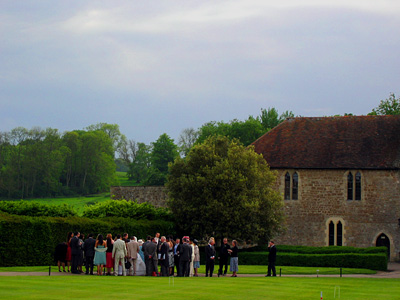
[148,164]
[42,163]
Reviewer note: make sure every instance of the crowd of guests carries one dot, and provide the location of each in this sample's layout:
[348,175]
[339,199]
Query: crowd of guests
[157,256]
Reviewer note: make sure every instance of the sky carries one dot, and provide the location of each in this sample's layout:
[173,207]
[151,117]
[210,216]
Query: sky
[155,67]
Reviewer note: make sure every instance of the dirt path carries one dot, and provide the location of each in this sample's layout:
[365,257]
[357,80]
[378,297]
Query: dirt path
[393,272]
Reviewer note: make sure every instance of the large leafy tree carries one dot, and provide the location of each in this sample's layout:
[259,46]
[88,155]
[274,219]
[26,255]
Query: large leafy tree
[224,189]
[390,106]
[163,152]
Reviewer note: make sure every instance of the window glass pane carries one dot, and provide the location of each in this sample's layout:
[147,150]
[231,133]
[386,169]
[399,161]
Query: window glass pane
[350,186]
[339,232]
[287,186]
[295,186]
[331,234]
[358,186]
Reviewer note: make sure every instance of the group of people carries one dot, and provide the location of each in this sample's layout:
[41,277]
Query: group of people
[128,256]
[124,256]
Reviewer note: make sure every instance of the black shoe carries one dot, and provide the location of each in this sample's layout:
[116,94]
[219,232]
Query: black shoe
[267,275]
[218,274]
[87,273]
[206,275]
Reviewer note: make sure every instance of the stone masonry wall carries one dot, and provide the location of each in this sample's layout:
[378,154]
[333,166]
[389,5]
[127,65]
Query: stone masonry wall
[323,196]
[155,195]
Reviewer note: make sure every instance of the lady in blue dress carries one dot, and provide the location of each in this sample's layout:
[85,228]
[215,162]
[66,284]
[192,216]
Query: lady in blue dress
[100,254]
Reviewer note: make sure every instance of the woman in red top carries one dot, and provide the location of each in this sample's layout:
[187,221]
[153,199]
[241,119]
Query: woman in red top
[68,257]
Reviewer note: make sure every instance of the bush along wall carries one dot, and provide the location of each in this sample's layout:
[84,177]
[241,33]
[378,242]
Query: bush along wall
[374,261]
[29,241]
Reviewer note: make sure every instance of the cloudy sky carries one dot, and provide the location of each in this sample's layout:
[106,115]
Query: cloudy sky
[162,66]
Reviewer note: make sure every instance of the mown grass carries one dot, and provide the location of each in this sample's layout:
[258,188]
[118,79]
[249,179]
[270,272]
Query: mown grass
[244,269]
[78,203]
[110,287]
[124,180]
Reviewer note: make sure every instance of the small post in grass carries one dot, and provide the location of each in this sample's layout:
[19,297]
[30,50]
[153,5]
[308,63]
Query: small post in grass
[49,270]
[321,295]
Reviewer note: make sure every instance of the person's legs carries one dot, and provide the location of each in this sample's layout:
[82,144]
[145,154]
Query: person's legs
[207,267]
[226,266]
[211,268]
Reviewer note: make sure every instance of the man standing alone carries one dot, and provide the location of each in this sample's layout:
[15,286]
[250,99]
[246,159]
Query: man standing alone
[119,253]
[271,259]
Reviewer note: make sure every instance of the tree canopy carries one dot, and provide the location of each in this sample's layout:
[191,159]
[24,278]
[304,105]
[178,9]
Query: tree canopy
[224,189]
[390,106]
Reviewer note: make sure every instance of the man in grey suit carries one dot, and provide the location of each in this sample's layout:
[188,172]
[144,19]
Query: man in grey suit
[119,253]
[150,255]
[133,248]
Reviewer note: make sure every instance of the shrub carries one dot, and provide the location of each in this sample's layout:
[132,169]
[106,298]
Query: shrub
[374,261]
[35,209]
[126,209]
[28,241]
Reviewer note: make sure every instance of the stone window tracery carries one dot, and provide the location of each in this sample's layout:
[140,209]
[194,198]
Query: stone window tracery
[354,186]
[291,191]
[335,232]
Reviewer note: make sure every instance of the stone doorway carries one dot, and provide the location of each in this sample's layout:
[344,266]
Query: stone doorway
[383,240]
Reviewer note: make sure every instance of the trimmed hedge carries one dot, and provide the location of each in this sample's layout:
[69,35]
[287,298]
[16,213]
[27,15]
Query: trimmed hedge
[318,250]
[35,209]
[374,261]
[29,241]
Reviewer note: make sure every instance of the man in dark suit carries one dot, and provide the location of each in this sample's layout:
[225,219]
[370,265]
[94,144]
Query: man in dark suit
[223,257]
[164,259]
[150,254]
[177,249]
[271,259]
[210,257]
[185,257]
[146,258]
[88,248]
[75,253]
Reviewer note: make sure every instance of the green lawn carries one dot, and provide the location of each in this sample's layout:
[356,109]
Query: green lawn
[110,287]
[78,203]
[242,270]
[124,181]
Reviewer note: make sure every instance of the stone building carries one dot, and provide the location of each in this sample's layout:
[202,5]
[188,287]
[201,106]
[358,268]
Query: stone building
[340,180]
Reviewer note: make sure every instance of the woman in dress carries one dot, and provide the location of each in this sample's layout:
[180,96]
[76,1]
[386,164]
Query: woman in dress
[100,254]
[171,256]
[140,265]
[191,270]
[110,261]
[196,261]
[234,267]
[68,257]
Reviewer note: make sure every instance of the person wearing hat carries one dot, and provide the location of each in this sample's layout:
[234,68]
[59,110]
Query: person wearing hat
[196,260]
[271,259]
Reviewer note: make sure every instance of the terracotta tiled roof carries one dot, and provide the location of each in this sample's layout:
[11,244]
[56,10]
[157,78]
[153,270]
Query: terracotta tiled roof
[352,142]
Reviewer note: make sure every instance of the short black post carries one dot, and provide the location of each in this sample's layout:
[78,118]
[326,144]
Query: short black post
[49,270]
[280,272]
[340,272]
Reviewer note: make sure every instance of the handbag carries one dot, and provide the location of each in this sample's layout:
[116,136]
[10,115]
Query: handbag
[127,265]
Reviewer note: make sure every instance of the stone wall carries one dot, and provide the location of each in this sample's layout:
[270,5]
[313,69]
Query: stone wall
[323,197]
[155,195]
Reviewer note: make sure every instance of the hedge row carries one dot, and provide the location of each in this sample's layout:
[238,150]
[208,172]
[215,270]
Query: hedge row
[375,261]
[35,209]
[319,250]
[29,241]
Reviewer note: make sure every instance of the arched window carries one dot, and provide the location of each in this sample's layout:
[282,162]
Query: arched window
[354,186]
[295,188]
[287,186]
[331,233]
[335,231]
[350,186]
[358,186]
[339,234]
